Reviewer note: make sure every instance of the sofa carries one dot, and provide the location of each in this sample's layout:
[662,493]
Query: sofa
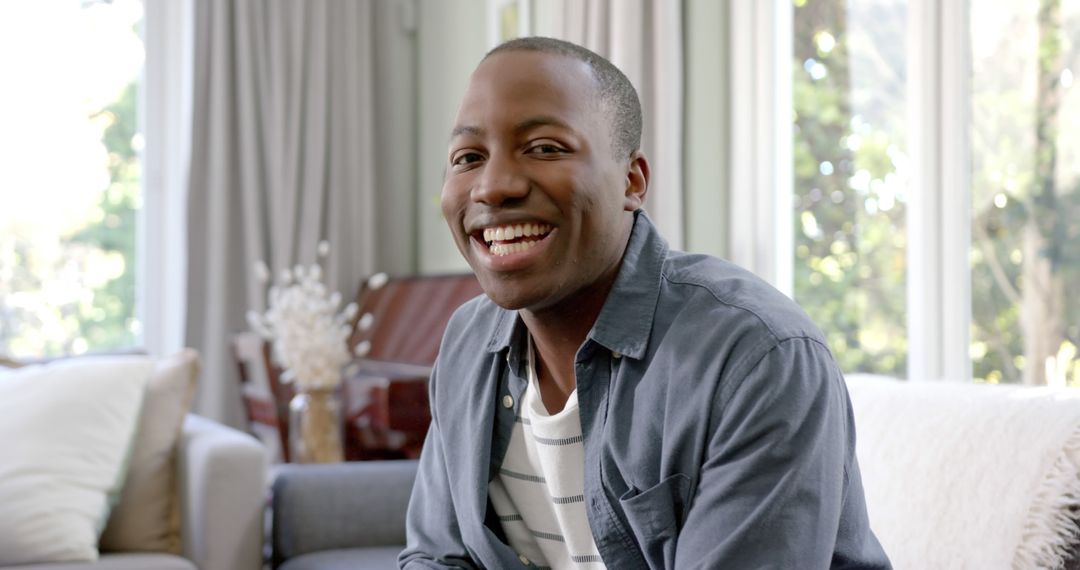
[956,476]
[340,516]
[104,467]
[221,473]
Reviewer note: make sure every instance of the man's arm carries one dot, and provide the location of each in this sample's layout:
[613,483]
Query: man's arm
[772,490]
[433,538]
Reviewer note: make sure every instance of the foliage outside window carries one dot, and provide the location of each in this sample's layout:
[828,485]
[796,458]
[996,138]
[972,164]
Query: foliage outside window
[1025,255]
[848,87]
[849,83]
[69,176]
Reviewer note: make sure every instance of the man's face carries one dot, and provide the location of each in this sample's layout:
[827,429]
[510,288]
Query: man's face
[535,198]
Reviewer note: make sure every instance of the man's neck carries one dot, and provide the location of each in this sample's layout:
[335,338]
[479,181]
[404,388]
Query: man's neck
[557,334]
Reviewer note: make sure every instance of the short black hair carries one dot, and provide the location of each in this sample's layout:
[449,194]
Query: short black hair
[615,94]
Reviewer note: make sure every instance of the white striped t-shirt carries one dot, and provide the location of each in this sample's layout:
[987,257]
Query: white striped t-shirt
[539,493]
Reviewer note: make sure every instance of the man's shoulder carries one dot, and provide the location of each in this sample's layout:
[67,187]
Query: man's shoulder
[725,293]
[732,320]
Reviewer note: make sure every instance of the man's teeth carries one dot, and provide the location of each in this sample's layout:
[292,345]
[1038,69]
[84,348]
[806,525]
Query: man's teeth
[501,249]
[503,233]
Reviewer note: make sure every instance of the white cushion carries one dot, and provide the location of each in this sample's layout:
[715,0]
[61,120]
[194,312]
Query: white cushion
[66,430]
[959,475]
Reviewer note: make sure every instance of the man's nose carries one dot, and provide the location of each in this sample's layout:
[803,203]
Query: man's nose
[501,181]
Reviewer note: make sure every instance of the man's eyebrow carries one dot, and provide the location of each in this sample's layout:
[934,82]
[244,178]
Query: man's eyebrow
[466,130]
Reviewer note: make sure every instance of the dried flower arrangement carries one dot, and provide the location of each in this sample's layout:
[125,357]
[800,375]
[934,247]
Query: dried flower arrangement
[302,322]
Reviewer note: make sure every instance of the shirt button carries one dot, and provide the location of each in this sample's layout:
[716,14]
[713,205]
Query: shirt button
[616,354]
[508,401]
[523,559]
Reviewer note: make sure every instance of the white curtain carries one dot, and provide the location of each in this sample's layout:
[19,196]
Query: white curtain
[282,157]
[644,39]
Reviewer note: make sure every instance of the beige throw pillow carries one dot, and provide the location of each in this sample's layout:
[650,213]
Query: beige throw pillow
[147,518]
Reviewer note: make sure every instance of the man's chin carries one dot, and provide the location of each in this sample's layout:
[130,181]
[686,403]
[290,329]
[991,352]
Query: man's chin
[506,300]
[508,295]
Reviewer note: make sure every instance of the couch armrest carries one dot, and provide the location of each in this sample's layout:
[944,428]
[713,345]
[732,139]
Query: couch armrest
[222,496]
[343,505]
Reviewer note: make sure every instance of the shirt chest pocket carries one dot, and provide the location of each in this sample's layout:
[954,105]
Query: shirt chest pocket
[655,516]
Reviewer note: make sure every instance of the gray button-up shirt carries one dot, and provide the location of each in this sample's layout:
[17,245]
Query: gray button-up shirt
[718,430]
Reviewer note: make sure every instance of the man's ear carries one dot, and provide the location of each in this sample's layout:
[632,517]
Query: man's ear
[637,182]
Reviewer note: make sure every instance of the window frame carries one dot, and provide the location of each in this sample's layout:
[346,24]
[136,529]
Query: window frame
[165,102]
[939,219]
[761,184]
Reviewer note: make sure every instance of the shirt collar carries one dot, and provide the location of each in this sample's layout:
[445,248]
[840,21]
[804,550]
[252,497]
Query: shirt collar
[626,318]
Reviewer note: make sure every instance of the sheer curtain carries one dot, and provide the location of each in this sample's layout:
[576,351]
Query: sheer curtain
[282,157]
[644,39]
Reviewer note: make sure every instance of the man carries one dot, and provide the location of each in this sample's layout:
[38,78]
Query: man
[609,402]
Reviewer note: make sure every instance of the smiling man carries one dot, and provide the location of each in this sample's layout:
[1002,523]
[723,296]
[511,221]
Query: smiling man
[610,402]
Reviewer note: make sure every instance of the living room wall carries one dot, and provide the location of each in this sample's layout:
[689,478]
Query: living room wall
[451,40]
[426,51]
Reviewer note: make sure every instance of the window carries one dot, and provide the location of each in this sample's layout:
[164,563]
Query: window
[936,185]
[69,176]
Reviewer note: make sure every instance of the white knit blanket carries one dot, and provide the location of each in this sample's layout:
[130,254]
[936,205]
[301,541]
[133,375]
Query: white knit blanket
[968,476]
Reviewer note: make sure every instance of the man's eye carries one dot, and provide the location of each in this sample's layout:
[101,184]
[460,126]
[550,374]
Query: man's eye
[545,149]
[467,158]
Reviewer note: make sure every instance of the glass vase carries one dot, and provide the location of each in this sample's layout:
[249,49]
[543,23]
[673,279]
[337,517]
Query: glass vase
[315,427]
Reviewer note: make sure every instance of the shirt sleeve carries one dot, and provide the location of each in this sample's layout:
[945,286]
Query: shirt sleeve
[771,490]
[433,537]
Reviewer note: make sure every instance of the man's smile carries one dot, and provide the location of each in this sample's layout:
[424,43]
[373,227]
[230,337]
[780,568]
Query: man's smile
[514,238]
[510,246]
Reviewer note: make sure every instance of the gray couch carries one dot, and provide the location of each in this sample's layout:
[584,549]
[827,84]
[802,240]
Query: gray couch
[340,516]
[222,496]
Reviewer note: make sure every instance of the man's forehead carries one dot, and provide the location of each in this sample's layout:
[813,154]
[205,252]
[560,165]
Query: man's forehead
[543,88]
[521,126]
